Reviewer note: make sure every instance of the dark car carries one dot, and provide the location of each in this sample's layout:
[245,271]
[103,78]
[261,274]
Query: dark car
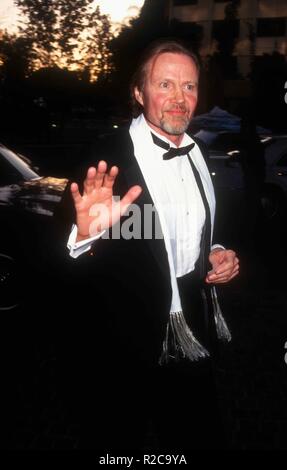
[27,204]
[227,167]
[229,174]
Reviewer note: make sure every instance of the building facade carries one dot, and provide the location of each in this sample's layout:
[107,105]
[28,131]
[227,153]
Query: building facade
[260,26]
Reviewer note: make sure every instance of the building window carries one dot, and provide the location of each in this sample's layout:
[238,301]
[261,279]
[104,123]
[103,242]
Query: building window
[271,27]
[177,3]
[219,28]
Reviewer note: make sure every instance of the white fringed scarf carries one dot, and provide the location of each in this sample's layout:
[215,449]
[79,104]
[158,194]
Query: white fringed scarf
[184,341]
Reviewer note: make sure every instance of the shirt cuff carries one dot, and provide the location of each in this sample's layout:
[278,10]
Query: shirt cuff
[217,246]
[78,248]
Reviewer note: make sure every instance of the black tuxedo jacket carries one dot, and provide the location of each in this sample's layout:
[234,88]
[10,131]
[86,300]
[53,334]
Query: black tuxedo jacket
[111,309]
[117,297]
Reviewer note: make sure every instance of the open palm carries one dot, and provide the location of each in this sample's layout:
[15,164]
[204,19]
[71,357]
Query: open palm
[96,208]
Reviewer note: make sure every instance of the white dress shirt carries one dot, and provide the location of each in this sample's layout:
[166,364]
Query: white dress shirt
[183,207]
[178,194]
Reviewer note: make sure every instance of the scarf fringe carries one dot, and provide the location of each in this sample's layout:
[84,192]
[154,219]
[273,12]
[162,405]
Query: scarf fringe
[222,329]
[180,342]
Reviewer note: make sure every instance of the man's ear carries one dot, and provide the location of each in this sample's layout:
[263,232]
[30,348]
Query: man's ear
[138,96]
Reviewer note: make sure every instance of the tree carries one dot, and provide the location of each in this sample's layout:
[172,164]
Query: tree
[72,35]
[14,68]
[151,24]
[15,55]
[226,36]
[269,92]
[95,52]
[71,17]
[40,26]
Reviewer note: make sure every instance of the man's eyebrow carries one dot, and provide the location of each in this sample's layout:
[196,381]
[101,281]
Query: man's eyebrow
[170,79]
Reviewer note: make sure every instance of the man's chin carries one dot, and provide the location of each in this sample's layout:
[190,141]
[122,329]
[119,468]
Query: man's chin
[174,128]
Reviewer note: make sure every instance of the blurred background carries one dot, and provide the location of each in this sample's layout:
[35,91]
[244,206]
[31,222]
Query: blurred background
[65,69]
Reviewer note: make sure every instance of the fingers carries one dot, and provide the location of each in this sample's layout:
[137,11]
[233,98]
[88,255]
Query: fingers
[100,174]
[213,278]
[223,261]
[75,193]
[227,268]
[99,177]
[132,194]
[227,277]
[224,280]
[89,182]
[110,177]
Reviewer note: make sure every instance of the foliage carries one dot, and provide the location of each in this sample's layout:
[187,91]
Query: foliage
[226,41]
[96,44]
[15,55]
[150,25]
[268,76]
[68,34]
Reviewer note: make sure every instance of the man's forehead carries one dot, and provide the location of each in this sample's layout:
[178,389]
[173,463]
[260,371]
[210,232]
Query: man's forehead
[165,62]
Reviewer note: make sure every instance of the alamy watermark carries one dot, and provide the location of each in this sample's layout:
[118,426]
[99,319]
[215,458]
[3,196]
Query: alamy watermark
[138,222]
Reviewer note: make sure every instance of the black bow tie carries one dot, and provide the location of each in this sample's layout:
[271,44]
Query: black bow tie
[171,151]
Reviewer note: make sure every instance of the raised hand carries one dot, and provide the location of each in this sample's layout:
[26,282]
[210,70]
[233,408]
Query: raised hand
[96,208]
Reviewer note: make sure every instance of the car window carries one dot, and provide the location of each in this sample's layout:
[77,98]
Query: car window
[282,161]
[226,142]
[8,174]
[17,163]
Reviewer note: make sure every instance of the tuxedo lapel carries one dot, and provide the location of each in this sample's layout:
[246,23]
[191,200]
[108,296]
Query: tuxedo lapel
[133,176]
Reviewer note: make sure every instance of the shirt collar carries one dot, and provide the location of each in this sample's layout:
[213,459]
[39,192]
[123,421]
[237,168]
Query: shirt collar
[185,141]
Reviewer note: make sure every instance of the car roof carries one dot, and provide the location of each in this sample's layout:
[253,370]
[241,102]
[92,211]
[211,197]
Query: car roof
[276,150]
[19,163]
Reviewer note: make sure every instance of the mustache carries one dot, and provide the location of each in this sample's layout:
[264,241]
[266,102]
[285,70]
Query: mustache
[177,107]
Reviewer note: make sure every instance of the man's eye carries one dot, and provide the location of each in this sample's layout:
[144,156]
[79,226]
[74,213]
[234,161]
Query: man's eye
[164,84]
[190,86]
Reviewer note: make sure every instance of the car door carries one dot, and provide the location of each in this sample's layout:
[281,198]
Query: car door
[276,164]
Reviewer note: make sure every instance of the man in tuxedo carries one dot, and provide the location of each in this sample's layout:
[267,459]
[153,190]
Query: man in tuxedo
[145,313]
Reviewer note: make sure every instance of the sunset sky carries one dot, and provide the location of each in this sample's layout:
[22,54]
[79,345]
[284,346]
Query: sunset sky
[118,10]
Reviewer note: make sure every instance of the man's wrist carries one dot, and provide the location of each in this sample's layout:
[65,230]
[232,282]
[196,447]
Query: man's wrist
[81,237]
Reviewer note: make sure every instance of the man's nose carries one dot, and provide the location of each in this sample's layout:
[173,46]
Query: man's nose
[178,94]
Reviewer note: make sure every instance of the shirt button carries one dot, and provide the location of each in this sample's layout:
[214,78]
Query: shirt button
[182,179]
[187,213]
